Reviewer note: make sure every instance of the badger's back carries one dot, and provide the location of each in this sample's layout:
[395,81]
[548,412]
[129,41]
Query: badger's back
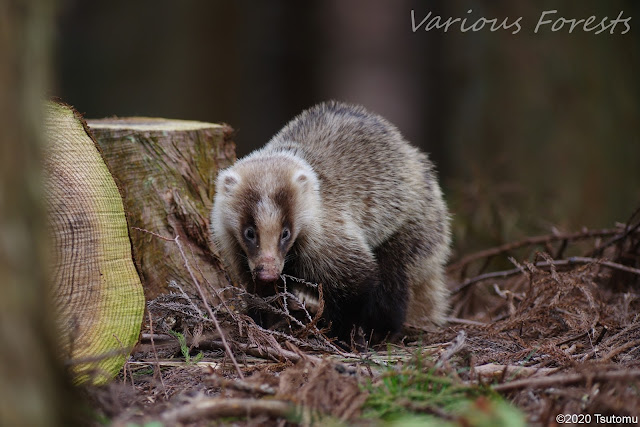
[367,171]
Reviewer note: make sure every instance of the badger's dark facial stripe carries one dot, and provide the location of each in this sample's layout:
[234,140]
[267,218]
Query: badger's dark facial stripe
[248,201]
[246,210]
[285,199]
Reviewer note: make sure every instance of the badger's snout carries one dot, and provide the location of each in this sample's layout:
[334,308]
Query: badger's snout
[267,269]
[266,274]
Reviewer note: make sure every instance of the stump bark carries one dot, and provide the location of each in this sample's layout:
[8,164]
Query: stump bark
[96,290]
[166,170]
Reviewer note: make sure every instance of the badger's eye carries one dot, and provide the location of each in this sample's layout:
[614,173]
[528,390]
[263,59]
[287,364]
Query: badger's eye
[250,233]
[285,234]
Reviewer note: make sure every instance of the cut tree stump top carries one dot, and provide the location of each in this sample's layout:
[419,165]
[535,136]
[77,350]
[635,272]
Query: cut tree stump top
[150,124]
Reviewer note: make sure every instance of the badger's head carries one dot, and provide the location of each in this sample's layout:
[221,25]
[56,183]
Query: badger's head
[262,205]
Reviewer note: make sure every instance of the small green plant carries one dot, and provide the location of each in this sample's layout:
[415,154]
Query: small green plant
[149,424]
[419,394]
[184,348]
[142,372]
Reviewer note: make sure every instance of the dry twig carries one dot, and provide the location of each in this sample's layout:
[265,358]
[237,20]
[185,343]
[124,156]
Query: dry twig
[564,379]
[241,385]
[203,407]
[531,241]
[208,307]
[545,264]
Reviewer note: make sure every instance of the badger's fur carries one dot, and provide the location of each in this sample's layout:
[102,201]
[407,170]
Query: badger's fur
[338,197]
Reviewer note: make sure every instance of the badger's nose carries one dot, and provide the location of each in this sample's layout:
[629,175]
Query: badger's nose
[266,270]
[267,273]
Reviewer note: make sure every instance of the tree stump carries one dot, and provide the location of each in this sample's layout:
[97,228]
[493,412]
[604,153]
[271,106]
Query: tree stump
[97,291]
[166,170]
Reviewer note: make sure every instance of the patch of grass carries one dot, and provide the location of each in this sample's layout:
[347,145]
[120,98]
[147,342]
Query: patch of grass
[419,394]
[184,348]
[138,373]
[149,424]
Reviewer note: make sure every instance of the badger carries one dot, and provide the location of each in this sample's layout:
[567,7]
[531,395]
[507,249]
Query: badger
[338,197]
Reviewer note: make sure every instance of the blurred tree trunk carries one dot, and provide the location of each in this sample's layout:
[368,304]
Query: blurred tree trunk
[369,60]
[31,384]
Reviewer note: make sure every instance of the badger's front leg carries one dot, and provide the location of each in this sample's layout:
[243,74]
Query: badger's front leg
[356,293]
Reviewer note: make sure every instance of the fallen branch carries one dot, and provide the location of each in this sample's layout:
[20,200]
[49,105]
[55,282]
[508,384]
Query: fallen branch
[629,229]
[455,347]
[240,385]
[620,349]
[225,407]
[485,276]
[491,371]
[461,322]
[544,264]
[556,380]
[173,363]
[531,241]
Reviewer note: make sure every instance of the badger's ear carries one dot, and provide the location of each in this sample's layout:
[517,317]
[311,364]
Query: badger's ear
[228,180]
[306,179]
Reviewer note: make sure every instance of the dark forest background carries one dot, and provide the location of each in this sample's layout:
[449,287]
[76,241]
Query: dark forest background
[529,131]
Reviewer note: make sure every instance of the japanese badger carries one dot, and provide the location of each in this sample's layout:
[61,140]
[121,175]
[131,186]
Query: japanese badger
[339,197]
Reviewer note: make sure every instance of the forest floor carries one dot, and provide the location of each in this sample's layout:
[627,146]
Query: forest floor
[554,338]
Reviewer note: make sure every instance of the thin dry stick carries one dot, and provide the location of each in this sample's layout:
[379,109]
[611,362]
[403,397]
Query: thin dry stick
[536,240]
[586,260]
[458,321]
[173,284]
[629,229]
[569,261]
[563,379]
[208,307]
[159,236]
[619,350]
[227,407]
[157,337]
[241,385]
[454,347]
[204,300]
[210,286]
[155,354]
[485,276]
[608,342]
[267,352]
[124,368]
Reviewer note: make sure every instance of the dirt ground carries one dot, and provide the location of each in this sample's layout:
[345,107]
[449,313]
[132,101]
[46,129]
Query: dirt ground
[556,333]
